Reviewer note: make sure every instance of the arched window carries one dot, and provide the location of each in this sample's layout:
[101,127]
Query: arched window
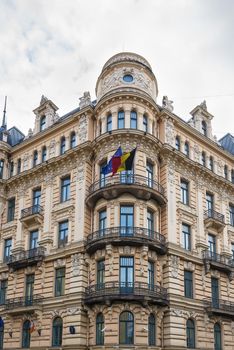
[35,158]
[204,128]
[43,154]
[133,120]
[18,166]
[190,333]
[203,159]
[73,139]
[1,168]
[151,330]
[121,121]
[177,143]
[186,148]
[62,145]
[217,337]
[1,333]
[109,123]
[126,328]
[100,127]
[211,163]
[42,123]
[225,172]
[57,332]
[145,123]
[100,329]
[26,334]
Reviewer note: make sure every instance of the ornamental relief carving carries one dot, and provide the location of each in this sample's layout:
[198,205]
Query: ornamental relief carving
[185,314]
[59,263]
[175,263]
[83,128]
[76,262]
[115,80]
[170,132]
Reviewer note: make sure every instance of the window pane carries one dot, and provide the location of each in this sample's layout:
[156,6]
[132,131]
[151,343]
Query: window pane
[60,281]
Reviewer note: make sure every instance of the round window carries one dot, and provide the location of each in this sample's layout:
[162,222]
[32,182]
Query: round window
[128,78]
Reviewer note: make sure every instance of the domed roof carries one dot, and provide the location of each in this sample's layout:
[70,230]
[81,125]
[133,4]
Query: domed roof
[126,56]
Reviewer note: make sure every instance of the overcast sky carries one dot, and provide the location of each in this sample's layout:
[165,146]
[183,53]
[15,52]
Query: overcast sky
[58,47]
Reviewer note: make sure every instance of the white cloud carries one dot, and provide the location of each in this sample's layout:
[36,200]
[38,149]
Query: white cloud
[58,48]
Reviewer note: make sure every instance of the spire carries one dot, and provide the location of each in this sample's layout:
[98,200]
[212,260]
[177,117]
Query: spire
[4,125]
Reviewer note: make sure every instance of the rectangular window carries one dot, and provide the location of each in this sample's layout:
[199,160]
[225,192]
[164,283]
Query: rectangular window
[3,291]
[126,220]
[109,123]
[29,289]
[149,173]
[59,281]
[11,209]
[102,222]
[36,197]
[7,249]
[102,177]
[232,247]
[1,168]
[212,244]
[184,191]
[11,169]
[145,123]
[65,189]
[100,274]
[126,274]
[188,284]
[231,213]
[120,119]
[150,222]
[215,292]
[63,233]
[151,275]
[19,166]
[209,202]
[133,120]
[186,236]
[33,239]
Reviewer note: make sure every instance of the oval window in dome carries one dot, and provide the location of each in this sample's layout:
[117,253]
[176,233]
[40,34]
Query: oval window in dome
[128,78]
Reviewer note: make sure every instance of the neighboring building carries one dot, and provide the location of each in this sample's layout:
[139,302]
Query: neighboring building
[141,259]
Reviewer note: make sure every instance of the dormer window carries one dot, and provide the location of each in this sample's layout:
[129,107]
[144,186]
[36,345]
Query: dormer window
[42,123]
[204,128]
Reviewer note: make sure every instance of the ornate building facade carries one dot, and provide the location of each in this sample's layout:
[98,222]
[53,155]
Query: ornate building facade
[142,259]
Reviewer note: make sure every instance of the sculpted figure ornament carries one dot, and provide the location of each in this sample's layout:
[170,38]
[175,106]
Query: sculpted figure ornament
[82,131]
[167,104]
[85,100]
[175,261]
[203,105]
[170,135]
[76,263]
[43,100]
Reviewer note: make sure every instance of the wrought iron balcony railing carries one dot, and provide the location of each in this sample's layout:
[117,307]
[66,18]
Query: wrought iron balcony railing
[212,214]
[135,291]
[219,306]
[121,235]
[35,209]
[126,179]
[219,258]
[23,302]
[26,257]
[113,186]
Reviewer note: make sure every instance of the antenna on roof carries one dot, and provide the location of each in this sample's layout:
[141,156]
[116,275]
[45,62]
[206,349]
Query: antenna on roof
[4,125]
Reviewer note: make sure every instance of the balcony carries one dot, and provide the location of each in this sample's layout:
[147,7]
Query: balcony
[213,219]
[218,262]
[219,307]
[113,186]
[22,305]
[136,236]
[32,215]
[109,292]
[26,258]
